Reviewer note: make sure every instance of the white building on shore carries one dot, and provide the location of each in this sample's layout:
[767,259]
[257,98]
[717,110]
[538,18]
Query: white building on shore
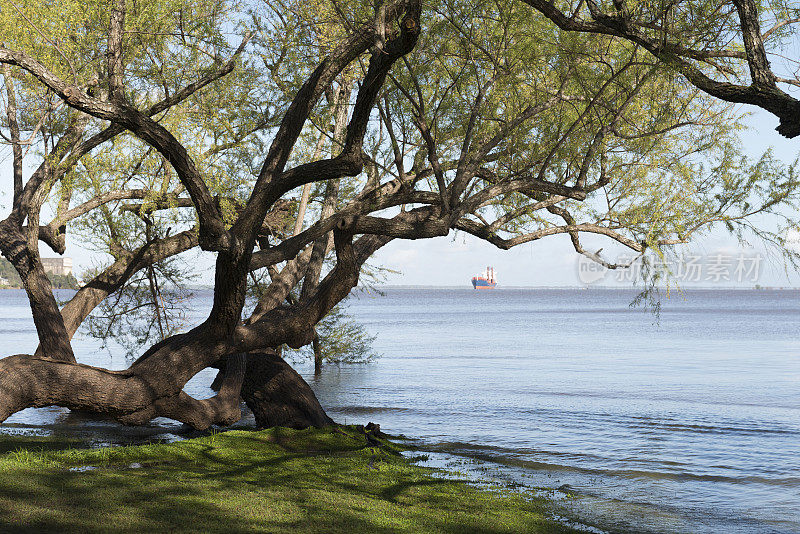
[61,266]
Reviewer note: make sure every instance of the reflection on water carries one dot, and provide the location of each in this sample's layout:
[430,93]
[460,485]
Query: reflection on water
[689,425]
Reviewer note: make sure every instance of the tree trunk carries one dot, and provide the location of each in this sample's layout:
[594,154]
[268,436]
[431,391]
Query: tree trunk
[315,344]
[54,343]
[278,396]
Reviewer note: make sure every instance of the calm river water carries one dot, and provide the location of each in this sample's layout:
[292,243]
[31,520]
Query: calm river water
[691,424]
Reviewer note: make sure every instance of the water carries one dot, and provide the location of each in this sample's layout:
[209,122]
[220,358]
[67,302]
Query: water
[688,425]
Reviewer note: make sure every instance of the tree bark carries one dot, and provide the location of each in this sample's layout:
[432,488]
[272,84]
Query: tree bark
[53,338]
[278,396]
[315,344]
[13,127]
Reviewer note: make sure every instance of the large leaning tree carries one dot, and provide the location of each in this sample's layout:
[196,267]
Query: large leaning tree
[294,139]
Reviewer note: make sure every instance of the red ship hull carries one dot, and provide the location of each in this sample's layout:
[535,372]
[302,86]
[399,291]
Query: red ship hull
[479,282]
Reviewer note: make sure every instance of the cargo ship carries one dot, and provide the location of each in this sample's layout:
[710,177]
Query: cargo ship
[485,280]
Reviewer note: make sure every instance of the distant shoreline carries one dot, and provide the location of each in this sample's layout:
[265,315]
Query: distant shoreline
[587,288]
[501,288]
[54,287]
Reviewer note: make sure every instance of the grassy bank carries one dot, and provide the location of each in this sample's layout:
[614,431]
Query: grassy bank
[275,480]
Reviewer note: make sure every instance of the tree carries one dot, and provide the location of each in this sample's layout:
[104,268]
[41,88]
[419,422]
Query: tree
[395,123]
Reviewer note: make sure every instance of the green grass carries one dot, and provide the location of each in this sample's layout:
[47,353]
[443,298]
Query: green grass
[275,480]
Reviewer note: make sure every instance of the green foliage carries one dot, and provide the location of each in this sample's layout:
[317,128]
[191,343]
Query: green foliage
[149,308]
[341,340]
[8,272]
[63,281]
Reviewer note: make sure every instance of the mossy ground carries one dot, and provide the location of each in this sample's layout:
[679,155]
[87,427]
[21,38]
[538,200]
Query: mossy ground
[276,480]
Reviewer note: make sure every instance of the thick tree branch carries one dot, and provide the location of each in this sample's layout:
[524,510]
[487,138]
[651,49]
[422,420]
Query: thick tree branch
[471,227]
[764,95]
[213,234]
[760,72]
[13,129]
[272,182]
[114,52]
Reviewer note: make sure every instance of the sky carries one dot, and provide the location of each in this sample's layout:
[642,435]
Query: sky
[550,262]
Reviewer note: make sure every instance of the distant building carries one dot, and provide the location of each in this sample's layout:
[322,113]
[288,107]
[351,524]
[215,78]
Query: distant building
[61,266]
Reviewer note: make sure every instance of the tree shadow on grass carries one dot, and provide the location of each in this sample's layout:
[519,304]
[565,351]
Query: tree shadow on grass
[243,484]
[13,443]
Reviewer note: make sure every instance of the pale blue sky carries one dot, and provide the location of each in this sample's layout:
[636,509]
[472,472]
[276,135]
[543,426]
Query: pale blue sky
[453,260]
